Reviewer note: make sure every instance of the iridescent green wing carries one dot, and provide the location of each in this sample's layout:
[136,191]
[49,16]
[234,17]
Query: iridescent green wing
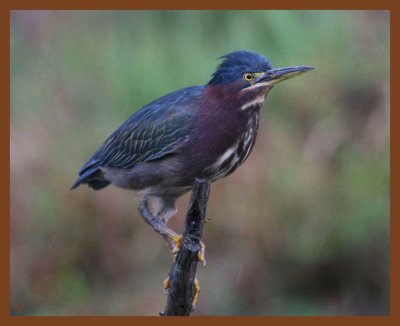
[152,138]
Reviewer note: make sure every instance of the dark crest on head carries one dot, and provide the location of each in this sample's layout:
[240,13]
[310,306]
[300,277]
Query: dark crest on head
[237,63]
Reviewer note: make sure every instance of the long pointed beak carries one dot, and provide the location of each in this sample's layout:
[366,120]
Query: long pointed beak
[274,76]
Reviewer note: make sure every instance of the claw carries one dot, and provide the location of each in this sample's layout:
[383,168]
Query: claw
[201,255]
[175,244]
[166,284]
[196,292]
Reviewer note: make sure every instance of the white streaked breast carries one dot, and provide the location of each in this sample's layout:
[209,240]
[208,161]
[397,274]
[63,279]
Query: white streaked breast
[224,157]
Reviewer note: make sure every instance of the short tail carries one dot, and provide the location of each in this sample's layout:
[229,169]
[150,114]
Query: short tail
[93,177]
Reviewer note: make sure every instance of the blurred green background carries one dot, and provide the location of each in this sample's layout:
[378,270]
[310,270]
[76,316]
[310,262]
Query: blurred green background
[302,228]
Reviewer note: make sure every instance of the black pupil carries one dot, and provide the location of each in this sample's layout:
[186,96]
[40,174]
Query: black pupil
[248,77]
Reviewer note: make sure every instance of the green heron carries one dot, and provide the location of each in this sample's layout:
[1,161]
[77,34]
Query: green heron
[203,132]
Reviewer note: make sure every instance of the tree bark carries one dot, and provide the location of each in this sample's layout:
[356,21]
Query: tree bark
[183,271]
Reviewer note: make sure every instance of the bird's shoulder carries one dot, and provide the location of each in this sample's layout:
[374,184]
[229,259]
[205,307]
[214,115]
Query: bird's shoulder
[174,106]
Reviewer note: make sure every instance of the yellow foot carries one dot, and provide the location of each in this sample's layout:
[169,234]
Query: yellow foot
[175,244]
[201,255]
[166,284]
[196,292]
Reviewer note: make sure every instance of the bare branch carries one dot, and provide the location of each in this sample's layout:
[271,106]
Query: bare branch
[183,271]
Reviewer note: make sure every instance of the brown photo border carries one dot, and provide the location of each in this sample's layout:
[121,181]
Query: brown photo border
[6,6]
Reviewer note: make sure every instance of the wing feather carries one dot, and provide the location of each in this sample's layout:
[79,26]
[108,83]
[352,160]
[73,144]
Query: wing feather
[158,129]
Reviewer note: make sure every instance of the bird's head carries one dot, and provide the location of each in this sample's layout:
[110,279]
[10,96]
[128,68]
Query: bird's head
[249,70]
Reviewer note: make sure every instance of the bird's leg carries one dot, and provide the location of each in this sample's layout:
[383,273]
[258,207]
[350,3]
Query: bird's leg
[172,238]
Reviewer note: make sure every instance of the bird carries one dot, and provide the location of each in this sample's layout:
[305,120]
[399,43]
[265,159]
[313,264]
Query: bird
[198,132]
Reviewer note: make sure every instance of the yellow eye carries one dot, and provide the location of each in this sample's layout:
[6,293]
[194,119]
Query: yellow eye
[248,77]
